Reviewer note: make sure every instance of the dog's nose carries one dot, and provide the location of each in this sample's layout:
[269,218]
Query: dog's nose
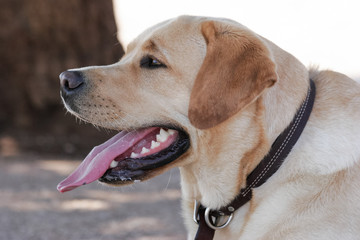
[71,81]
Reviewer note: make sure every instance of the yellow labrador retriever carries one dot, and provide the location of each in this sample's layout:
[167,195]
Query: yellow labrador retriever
[266,148]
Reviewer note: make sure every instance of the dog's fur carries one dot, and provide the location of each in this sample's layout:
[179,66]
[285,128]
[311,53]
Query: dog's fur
[234,92]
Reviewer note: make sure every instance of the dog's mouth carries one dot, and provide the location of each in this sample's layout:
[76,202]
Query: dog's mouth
[128,157]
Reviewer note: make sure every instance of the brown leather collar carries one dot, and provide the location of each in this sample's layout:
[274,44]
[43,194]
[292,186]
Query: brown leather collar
[207,219]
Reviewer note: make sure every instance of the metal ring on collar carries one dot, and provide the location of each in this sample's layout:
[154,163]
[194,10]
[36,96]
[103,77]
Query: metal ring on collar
[210,223]
[196,212]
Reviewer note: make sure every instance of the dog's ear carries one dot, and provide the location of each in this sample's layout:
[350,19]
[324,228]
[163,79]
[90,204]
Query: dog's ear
[235,71]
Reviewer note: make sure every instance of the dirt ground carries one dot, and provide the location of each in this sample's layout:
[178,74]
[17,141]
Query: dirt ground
[32,209]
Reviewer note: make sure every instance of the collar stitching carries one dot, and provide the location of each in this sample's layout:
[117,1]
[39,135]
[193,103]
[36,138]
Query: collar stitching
[282,147]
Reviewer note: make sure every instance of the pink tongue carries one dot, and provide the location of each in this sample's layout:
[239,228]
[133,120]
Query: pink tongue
[97,162]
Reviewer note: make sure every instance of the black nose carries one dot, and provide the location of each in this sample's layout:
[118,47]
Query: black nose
[71,81]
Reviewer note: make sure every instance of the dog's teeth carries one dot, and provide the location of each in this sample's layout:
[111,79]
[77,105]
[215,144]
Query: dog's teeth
[158,138]
[113,164]
[163,132]
[162,136]
[134,155]
[144,150]
[154,144]
[171,132]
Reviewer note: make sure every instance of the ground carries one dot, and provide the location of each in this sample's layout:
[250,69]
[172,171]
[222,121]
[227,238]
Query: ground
[32,209]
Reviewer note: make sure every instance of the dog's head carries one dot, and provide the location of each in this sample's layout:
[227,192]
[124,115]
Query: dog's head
[182,86]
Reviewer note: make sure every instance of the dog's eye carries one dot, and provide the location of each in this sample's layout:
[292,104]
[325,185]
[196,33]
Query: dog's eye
[150,62]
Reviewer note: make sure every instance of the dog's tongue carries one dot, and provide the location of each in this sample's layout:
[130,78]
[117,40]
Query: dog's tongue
[99,159]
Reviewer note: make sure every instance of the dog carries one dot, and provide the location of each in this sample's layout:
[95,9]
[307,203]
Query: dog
[212,97]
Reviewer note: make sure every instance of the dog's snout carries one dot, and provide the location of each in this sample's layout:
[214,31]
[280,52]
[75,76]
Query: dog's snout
[71,81]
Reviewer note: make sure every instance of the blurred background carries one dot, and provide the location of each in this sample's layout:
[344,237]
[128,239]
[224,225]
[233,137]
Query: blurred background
[40,144]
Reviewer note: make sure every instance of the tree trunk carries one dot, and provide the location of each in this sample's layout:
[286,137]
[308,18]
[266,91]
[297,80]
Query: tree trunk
[38,40]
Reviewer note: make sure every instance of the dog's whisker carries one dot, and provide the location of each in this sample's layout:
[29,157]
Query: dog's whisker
[168,183]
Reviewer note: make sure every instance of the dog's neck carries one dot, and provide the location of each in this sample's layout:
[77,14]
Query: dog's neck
[251,139]
[283,99]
